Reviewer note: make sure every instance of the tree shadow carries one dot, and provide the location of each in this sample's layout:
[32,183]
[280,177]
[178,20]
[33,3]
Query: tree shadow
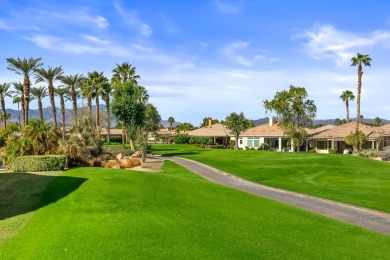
[25,192]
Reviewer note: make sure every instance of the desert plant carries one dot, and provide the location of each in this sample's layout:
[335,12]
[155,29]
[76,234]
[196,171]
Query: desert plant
[37,163]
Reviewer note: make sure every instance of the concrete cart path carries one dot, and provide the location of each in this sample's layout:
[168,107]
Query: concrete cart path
[366,218]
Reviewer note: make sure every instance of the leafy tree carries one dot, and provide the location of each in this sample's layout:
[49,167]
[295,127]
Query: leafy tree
[356,140]
[151,123]
[64,95]
[39,93]
[205,121]
[4,92]
[184,127]
[237,123]
[378,121]
[338,121]
[128,105]
[26,68]
[49,76]
[73,82]
[347,96]
[171,120]
[106,95]
[359,60]
[295,112]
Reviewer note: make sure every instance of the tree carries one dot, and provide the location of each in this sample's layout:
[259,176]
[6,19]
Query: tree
[359,60]
[106,97]
[124,72]
[185,127]
[338,121]
[378,121]
[73,82]
[129,107]
[17,100]
[347,96]
[26,68]
[237,123]
[19,93]
[151,123]
[356,140]
[295,112]
[39,93]
[49,76]
[171,120]
[206,120]
[63,93]
[86,91]
[4,92]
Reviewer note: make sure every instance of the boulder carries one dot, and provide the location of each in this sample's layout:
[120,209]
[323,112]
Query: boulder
[136,155]
[119,156]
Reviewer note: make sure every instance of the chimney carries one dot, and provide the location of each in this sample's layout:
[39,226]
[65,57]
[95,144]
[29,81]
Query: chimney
[272,120]
[210,122]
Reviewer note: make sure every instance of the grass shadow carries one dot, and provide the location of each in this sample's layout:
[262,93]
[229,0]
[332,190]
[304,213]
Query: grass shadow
[25,192]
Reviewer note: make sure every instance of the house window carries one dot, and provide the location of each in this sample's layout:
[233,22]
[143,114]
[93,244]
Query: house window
[250,143]
[240,141]
[322,145]
[257,143]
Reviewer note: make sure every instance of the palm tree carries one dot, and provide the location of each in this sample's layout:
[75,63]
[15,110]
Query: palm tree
[359,60]
[19,93]
[378,121]
[86,91]
[17,100]
[49,76]
[64,94]
[4,92]
[39,93]
[106,97]
[347,96]
[124,72]
[26,68]
[73,82]
[171,120]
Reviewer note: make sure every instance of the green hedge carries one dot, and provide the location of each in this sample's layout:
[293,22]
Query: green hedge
[200,140]
[332,151]
[313,151]
[38,163]
[181,139]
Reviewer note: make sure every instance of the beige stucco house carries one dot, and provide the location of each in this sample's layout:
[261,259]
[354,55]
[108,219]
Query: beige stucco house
[219,132]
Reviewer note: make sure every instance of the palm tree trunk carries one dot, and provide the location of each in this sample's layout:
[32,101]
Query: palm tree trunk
[89,102]
[97,116]
[52,103]
[26,93]
[4,113]
[40,109]
[108,117]
[132,144]
[123,137]
[347,108]
[359,90]
[62,103]
[19,116]
[74,101]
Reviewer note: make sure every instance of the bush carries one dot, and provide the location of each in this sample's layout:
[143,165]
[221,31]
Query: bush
[264,146]
[369,153]
[200,140]
[332,151]
[116,139]
[199,145]
[232,144]
[38,163]
[181,139]
[385,155]
[313,151]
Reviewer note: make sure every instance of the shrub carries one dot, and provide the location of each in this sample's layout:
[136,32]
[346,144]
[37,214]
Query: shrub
[264,146]
[332,151]
[181,139]
[110,164]
[369,153]
[116,139]
[313,151]
[385,155]
[232,144]
[38,163]
[200,140]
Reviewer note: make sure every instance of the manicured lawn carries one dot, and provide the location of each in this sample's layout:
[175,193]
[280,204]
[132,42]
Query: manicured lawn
[350,179]
[96,213]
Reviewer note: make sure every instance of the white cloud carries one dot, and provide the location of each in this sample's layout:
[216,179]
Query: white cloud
[239,75]
[232,50]
[95,39]
[225,7]
[81,16]
[326,42]
[130,17]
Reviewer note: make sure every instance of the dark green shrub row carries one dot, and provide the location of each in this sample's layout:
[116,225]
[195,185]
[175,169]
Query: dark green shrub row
[332,151]
[313,151]
[200,140]
[38,163]
[116,139]
[181,139]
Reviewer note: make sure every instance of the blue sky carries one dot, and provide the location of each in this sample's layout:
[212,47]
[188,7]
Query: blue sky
[211,58]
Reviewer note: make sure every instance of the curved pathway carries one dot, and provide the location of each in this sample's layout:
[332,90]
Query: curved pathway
[366,218]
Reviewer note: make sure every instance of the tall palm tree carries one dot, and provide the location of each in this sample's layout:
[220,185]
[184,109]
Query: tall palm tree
[124,72]
[347,96]
[86,92]
[106,97]
[26,68]
[171,120]
[73,82]
[39,93]
[49,76]
[4,92]
[17,100]
[378,121]
[64,94]
[98,82]
[359,60]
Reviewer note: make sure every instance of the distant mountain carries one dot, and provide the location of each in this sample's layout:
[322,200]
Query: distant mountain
[265,120]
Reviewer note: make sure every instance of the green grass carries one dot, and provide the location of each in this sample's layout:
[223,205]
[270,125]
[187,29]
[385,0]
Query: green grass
[120,214]
[350,179]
